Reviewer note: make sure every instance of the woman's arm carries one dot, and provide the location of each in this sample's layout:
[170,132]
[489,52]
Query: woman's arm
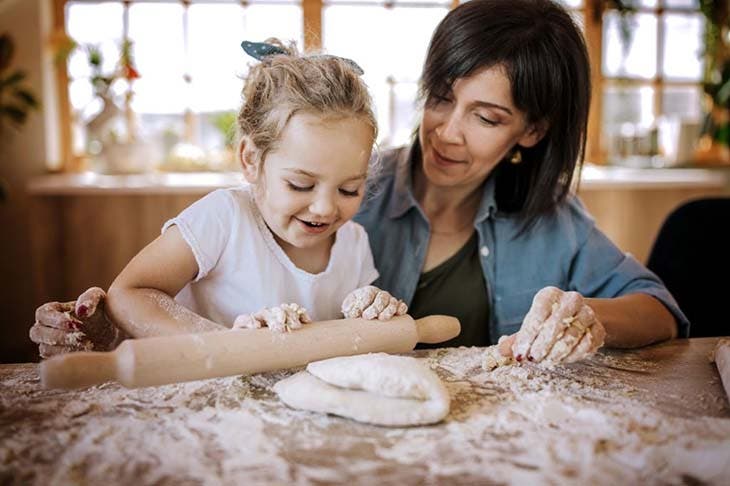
[634,320]
[140,300]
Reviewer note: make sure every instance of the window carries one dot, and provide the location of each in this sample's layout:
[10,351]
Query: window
[190,64]
[651,79]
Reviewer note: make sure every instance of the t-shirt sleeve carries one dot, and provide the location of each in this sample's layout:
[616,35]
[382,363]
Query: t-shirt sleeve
[368,273]
[205,226]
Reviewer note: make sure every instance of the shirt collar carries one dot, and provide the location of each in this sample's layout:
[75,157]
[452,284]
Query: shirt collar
[403,198]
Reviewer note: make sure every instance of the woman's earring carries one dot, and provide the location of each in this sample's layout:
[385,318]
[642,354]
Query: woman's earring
[516,157]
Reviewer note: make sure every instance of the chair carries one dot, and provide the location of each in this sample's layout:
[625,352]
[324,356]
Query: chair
[691,255]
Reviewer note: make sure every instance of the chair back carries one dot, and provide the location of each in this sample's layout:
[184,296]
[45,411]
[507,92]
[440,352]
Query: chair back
[691,255]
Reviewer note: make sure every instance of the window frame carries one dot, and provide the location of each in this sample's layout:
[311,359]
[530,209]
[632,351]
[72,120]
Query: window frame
[591,11]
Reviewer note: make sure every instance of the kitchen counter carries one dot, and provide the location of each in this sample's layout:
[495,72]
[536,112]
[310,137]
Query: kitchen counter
[657,415]
[593,177]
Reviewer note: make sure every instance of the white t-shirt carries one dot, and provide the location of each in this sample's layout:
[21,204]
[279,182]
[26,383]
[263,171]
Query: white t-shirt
[242,269]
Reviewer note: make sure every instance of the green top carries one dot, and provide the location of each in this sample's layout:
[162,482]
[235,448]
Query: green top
[457,288]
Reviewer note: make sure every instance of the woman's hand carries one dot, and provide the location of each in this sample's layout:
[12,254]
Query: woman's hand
[75,326]
[372,303]
[282,318]
[559,328]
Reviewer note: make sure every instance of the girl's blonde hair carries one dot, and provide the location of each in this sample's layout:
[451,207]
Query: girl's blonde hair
[283,85]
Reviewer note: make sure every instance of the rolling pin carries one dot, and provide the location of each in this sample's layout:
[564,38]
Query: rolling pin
[186,357]
[722,361]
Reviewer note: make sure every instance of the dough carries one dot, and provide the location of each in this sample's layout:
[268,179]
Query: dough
[374,388]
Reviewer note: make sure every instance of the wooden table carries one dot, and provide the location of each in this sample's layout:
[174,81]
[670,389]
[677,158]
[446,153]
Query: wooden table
[648,416]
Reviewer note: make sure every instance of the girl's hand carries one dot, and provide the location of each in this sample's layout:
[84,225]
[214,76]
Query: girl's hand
[372,303]
[285,317]
[75,326]
[559,328]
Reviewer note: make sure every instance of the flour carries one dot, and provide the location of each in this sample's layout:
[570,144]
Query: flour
[520,425]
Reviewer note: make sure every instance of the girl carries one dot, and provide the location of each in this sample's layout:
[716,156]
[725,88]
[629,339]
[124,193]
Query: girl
[256,254]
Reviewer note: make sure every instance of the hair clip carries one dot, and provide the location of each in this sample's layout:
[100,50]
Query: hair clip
[262,50]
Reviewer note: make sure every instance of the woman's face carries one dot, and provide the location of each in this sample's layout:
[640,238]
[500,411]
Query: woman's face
[467,133]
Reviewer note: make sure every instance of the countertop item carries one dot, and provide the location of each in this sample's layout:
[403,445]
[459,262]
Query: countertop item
[655,415]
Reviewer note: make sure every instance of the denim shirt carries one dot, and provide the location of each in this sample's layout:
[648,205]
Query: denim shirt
[564,249]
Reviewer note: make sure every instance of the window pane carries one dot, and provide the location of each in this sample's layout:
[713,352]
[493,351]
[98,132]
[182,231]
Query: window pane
[99,25]
[685,102]
[398,51]
[638,59]
[627,119]
[402,114]
[693,4]
[216,58]
[157,33]
[683,46]
[572,3]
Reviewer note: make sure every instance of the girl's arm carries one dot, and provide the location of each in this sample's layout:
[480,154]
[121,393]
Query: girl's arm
[140,300]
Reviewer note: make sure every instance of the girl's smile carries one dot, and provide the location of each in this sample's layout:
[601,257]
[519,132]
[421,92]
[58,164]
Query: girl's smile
[312,182]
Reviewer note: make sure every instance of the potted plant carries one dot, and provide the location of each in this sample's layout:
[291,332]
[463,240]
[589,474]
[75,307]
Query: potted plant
[16,100]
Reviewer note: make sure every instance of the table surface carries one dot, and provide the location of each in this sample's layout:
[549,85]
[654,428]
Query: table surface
[653,415]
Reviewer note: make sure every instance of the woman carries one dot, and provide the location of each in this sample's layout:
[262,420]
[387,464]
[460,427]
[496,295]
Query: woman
[478,208]
[475,218]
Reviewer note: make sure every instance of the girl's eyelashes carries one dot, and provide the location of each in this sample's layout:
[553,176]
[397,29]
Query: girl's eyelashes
[297,188]
[344,192]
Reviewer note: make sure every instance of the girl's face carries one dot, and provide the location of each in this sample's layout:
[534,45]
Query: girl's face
[466,134]
[314,180]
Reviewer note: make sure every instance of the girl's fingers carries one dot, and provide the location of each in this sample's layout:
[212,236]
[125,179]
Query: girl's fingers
[358,300]
[246,321]
[389,310]
[379,303]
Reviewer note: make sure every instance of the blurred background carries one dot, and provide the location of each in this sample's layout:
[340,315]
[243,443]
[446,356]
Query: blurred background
[115,115]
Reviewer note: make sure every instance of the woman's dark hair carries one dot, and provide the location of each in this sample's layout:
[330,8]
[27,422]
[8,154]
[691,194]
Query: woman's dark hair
[544,55]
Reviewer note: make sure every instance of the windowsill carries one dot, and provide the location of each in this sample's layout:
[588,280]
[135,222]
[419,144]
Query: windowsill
[593,177]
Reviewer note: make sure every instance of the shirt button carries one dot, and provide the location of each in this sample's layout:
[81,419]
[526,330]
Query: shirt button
[484,251]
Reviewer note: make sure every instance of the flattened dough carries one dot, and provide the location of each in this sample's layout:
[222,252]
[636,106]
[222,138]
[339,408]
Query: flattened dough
[374,388]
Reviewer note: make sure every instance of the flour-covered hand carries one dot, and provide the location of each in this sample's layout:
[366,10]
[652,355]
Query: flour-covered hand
[80,325]
[372,303]
[285,317]
[559,328]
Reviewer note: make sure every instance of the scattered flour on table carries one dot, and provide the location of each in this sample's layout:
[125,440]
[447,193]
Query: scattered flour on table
[513,425]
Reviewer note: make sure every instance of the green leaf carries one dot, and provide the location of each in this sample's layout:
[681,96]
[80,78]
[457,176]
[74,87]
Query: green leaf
[27,98]
[14,78]
[16,114]
[6,51]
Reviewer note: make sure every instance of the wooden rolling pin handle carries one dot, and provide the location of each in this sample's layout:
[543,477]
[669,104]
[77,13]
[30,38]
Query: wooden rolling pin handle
[437,329]
[78,370]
